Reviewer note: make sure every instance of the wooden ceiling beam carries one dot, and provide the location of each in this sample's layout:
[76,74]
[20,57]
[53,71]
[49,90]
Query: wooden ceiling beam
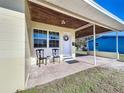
[83,27]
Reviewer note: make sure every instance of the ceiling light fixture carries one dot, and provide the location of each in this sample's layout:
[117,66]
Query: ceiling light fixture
[63,22]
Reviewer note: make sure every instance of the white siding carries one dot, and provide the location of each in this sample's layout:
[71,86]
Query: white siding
[61,30]
[12,50]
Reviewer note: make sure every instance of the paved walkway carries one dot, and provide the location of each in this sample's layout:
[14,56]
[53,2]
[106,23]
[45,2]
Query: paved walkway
[50,72]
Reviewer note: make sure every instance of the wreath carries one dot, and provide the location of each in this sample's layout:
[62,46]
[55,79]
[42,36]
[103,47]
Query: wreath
[66,38]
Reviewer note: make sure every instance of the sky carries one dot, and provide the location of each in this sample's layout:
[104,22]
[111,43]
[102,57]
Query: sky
[116,7]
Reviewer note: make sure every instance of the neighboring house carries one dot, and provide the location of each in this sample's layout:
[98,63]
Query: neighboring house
[26,25]
[107,44]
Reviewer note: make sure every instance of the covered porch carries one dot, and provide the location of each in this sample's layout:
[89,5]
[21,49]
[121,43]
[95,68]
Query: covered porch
[50,31]
[48,15]
[50,72]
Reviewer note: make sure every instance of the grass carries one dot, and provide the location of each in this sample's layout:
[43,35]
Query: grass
[121,57]
[81,52]
[94,80]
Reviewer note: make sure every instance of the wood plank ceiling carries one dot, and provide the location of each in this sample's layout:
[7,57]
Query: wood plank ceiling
[45,15]
[89,31]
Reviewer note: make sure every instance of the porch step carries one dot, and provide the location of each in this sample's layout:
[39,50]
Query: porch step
[68,58]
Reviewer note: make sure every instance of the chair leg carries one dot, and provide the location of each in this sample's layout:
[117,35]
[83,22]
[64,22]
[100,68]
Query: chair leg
[53,60]
[59,59]
[39,63]
[45,61]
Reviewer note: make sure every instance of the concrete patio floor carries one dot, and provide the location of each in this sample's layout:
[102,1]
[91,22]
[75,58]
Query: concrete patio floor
[50,72]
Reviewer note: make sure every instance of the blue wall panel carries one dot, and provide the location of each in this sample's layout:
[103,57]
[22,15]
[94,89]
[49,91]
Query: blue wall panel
[107,44]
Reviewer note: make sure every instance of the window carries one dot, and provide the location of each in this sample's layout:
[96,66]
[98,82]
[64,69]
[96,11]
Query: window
[53,39]
[40,38]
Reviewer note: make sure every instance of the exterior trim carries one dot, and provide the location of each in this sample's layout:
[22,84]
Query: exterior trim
[101,9]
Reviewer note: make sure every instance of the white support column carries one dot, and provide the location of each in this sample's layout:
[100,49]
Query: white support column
[117,53]
[94,43]
[87,45]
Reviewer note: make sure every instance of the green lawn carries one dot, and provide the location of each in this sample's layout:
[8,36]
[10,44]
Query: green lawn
[81,52]
[94,80]
[122,57]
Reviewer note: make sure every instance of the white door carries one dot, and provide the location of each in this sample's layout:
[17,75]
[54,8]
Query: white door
[66,45]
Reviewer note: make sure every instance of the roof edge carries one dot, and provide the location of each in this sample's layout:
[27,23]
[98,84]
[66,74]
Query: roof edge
[103,10]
